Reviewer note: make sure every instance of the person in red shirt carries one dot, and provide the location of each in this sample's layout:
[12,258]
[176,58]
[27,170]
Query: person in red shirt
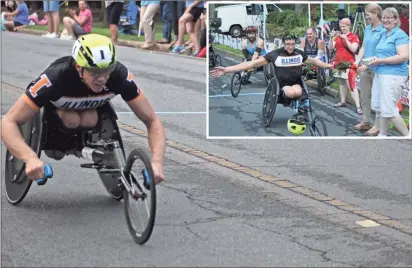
[346,45]
[404,18]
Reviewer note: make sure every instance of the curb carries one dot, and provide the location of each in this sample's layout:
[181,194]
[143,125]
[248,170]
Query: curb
[165,49]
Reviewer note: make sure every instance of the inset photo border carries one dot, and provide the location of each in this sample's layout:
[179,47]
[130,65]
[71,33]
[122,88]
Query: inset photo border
[315,86]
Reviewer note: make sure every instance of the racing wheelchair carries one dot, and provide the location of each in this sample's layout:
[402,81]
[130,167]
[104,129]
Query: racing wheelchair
[304,116]
[242,78]
[103,146]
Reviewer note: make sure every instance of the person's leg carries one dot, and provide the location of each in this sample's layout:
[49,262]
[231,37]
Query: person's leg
[292,92]
[365,86]
[68,24]
[54,8]
[9,25]
[355,97]
[114,13]
[70,119]
[148,16]
[88,118]
[48,16]
[389,99]
[166,23]
[183,20]
[174,19]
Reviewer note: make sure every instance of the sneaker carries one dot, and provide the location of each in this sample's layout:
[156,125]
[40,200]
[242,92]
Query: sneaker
[46,35]
[52,35]
[55,154]
[67,37]
[178,49]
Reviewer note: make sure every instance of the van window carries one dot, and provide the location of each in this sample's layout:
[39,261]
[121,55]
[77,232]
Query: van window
[215,14]
[253,9]
[271,8]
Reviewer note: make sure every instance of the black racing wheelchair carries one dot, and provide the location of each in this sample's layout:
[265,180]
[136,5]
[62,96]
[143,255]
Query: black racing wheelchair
[103,146]
[316,125]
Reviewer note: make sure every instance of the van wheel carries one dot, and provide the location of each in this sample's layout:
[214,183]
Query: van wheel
[236,31]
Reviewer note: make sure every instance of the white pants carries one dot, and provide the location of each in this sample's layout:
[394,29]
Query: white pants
[386,93]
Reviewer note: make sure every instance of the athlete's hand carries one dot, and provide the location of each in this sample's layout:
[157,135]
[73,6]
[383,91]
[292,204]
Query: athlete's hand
[34,168]
[218,71]
[158,172]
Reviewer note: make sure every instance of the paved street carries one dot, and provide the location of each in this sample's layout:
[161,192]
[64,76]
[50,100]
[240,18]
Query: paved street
[209,211]
[242,116]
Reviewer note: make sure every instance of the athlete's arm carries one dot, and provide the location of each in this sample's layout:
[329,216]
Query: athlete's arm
[321,49]
[244,50]
[20,113]
[317,62]
[259,48]
[246,65]
[156,133]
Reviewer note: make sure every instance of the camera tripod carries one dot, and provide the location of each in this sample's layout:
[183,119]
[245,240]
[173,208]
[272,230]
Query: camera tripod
[359,22]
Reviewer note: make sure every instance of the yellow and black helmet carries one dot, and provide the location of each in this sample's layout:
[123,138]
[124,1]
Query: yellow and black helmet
[94,51]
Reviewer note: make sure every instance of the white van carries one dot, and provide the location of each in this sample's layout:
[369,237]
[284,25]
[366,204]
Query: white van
[235,18]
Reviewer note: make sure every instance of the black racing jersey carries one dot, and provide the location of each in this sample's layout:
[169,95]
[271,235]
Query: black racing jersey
[288,67]
[61,86]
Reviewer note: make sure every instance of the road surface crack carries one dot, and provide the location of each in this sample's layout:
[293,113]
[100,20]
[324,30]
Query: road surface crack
[221,214]
[293,239]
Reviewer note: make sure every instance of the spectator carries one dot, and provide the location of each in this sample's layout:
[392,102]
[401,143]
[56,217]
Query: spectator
[193,11]
[176,9]
[114,10]
[51,8]
[346,44]
[312,45]
[78,25]
[10,7]
[404,18]
[17,18]
[392,54]
[148,10]
[373,14]
[167,38]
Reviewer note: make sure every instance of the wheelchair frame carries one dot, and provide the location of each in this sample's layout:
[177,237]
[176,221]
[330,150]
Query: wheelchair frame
[101,144]
[271,101]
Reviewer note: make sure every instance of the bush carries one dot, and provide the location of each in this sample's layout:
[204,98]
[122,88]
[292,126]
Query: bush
[288,21]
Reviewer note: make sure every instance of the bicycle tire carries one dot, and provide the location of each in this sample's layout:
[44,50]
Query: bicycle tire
[132,157]
[218,61]
[234,92]
[314,130]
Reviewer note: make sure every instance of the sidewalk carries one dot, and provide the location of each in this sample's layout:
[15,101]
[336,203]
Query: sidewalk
[162,48]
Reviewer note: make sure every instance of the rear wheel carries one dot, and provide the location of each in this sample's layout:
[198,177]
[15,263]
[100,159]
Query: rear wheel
[270,102]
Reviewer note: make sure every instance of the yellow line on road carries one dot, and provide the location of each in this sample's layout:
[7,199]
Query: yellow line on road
[283,183]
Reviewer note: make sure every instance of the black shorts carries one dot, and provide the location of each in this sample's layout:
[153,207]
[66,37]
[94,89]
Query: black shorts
[17,24]
[113,12]
[196,12]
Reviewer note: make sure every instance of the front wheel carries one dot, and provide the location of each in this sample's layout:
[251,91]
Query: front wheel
[141,180]
[236,84]
[321,79]
[318,127]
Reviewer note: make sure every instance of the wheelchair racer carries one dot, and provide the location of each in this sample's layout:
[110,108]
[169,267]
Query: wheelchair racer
[287,62]
[312,45]
[253,46]
[74,86]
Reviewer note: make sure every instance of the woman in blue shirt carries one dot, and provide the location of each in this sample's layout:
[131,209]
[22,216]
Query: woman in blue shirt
[20,16]
[392,55]
[371,37]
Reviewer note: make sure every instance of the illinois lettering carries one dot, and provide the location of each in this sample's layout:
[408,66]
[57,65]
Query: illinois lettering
[84,104]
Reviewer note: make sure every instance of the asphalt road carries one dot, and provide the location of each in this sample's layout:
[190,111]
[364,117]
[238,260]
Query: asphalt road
[208,215]
[241,116]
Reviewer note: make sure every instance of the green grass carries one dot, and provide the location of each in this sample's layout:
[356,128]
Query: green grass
[100,28]
[229,49]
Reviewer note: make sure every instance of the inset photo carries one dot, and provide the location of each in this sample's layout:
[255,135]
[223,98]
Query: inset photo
[308,70]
